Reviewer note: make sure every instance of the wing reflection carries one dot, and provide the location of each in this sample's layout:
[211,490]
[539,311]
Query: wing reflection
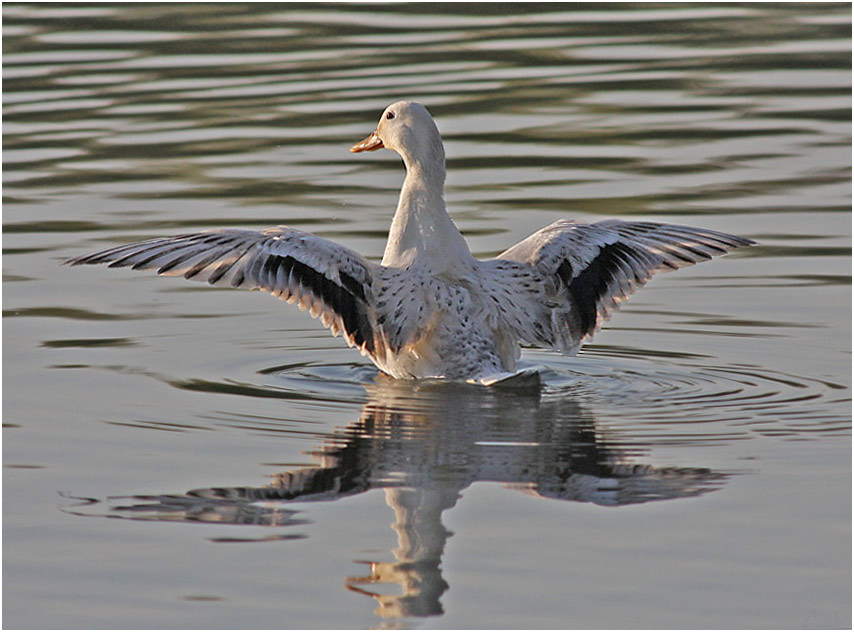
[425,443]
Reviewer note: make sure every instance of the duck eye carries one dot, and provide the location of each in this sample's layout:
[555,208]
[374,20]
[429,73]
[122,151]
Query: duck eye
[389,115]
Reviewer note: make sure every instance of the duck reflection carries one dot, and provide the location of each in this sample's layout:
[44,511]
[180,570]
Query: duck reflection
[423,444]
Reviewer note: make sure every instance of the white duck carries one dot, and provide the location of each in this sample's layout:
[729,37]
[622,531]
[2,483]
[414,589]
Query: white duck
[430,309]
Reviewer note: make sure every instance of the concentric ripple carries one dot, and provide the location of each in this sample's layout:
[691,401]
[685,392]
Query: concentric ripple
[743,398]
[735,400]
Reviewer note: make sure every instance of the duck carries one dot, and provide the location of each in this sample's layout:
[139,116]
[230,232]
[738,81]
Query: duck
[431,309]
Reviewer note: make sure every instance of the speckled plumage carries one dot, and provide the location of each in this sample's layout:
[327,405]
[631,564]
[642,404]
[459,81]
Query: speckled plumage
[430,309]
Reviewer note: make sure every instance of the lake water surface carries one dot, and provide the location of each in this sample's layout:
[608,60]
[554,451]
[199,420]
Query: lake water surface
[691,468]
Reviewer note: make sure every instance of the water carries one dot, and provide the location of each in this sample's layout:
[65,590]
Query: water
[691,468]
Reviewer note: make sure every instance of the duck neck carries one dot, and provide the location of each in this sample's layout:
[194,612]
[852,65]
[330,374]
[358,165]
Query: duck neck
[422,233]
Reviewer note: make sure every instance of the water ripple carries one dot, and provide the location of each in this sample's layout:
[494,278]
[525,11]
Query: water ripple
[645,395]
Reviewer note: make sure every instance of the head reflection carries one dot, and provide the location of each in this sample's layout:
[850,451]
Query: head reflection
[423,443]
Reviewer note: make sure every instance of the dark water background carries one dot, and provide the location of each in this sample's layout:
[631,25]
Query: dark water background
[691,468]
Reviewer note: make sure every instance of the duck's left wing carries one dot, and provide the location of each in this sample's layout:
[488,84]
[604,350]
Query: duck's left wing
[332,282]
[588,269]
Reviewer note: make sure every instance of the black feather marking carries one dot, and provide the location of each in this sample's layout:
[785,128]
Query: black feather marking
[591,284]
[225,266]
[640,228]
[564,271]
[184,249]
[673,252]
[348,301]
[353,286]
[153,251]
[701,238]
[113,254]
[711,246]
[202,264]
[702,256]
[182,257]
[239,277]
[120,261]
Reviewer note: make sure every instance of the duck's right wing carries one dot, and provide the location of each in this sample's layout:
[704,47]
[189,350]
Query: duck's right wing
[332,282]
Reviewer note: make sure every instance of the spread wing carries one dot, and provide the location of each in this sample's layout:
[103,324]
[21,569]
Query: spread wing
[589,269]
[332,282]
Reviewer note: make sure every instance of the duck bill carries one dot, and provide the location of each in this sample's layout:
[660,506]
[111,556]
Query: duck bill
[371,143]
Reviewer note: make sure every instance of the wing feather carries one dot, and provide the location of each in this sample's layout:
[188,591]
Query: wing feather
[333,283]
[589,269]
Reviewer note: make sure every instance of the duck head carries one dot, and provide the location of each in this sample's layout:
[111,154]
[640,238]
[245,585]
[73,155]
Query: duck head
[408,129]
